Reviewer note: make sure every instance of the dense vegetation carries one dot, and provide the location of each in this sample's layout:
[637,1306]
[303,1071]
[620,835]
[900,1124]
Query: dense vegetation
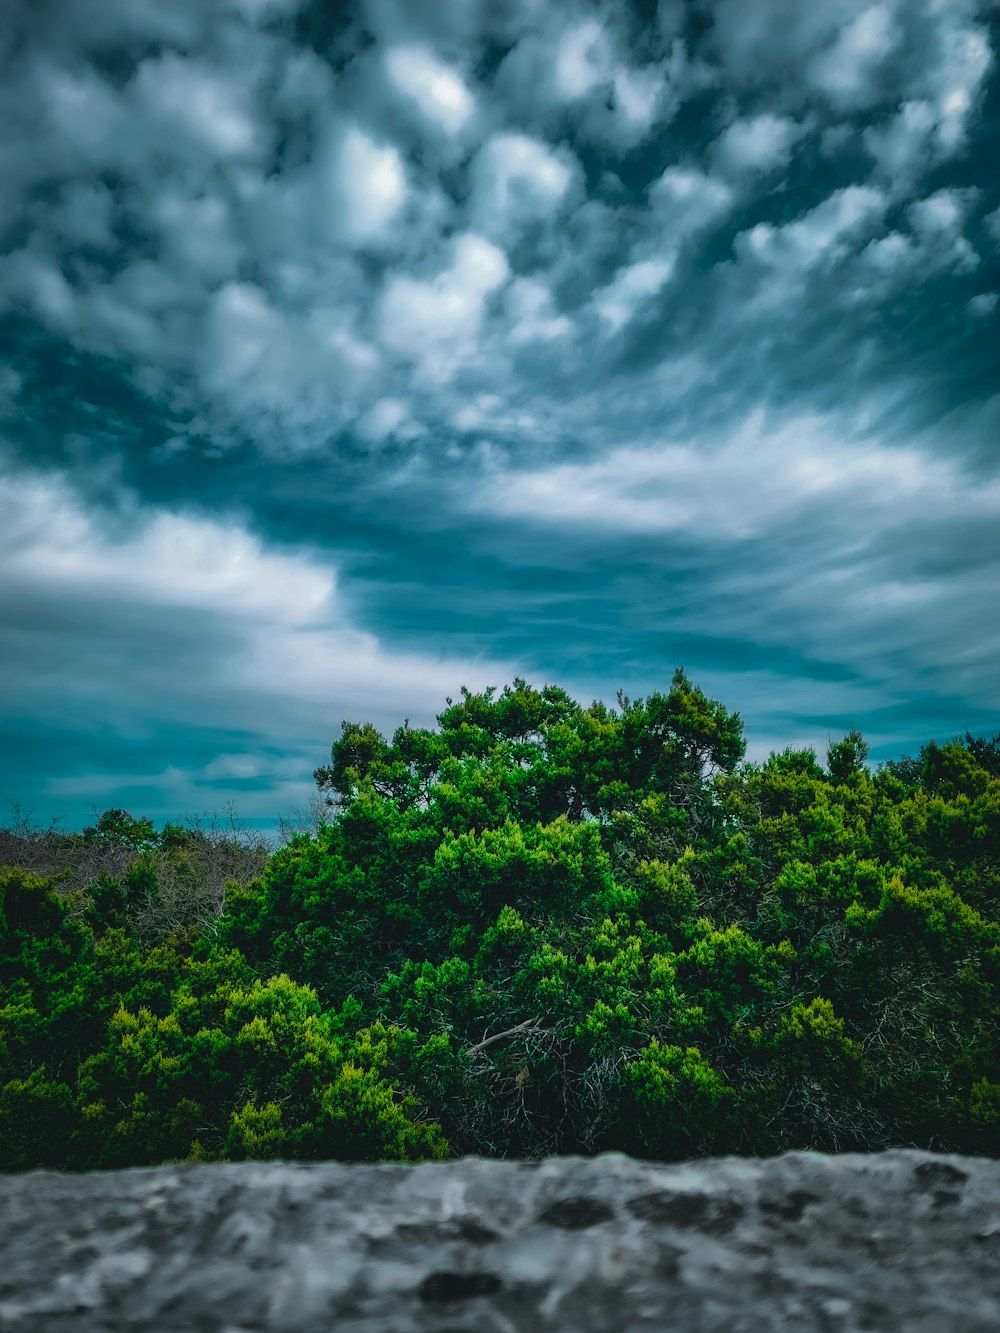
[540,928]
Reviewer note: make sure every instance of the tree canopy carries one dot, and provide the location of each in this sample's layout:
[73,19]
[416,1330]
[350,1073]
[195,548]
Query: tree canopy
[540,927]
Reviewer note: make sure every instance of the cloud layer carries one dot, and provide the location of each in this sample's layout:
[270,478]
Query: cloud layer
[355,353]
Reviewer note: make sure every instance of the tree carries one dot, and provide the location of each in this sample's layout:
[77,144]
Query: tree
[541,927]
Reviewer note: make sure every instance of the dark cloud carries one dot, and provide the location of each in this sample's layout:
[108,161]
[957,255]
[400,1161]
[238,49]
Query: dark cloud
[351,352]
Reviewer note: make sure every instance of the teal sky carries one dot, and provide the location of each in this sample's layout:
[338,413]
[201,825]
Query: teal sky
[349,354]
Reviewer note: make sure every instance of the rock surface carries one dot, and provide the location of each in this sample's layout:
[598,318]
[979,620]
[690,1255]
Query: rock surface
[896,1241]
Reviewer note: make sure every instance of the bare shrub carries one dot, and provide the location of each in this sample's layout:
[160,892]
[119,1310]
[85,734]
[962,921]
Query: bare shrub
[190,863]
[308,819]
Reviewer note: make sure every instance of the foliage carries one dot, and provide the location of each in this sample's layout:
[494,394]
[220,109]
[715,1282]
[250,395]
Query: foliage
[540,927]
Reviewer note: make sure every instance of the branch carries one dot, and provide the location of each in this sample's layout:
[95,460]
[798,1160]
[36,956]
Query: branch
[529,1025]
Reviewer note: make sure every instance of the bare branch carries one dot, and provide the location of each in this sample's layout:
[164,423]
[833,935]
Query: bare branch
[529,1025]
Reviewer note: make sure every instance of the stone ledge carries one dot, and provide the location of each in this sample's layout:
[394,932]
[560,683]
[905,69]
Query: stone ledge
[894,1241]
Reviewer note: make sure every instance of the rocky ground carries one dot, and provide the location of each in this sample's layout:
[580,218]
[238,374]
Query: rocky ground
[897,1241]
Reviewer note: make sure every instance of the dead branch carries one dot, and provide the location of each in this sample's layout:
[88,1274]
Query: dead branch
[529,1025]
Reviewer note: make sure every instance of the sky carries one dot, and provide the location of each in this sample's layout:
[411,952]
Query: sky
[350,354]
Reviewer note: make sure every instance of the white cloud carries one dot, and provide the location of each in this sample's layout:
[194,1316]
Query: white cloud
[622,114]
[755,480]
[938,221]
[197,231]
[437,321]
[639,94]
[488,412]
[984,304]
[531,310]
[591,70]
[204,104]
[246,336]
[365,186]
[517,180]
[935,245]
[630,289]
[167,558]
[238,766]
[283,375]
[932,121]
[958,77]
[902,144]
[940,213]
[194,626]
[389,418]
[824,235]
[84,115]
[33,281]
[848,70]
[891,255]
[582,60]
[766,38]
[278,282]
[838,515]
[376,244]
[685,199]
[436,89]
[353,193]
[759,143]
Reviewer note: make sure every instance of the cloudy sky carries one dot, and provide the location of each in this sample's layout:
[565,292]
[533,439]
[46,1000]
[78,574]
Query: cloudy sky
[353,353]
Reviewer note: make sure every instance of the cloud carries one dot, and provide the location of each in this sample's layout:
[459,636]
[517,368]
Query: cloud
[182,96]
[567,66]
[517,180]
[768,38]
[904,143]
[85,215]
[848,70]
[639,95]
[831,535]
[957,78]
[35,282]
[857,56]
[437,91]
[477,301]
[759,143]
[631,287]
[984,303]
[532,313]
[436,321]
[259,360]
[938,221]
[365,185]
[940,99]
[198,234]
[388,418]
[820,238]
[686,199]
[760,476]
[582,60]
[169,624]
[933,245]
[165,559]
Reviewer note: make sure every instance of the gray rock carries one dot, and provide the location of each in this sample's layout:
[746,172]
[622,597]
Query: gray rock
[895,1241]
